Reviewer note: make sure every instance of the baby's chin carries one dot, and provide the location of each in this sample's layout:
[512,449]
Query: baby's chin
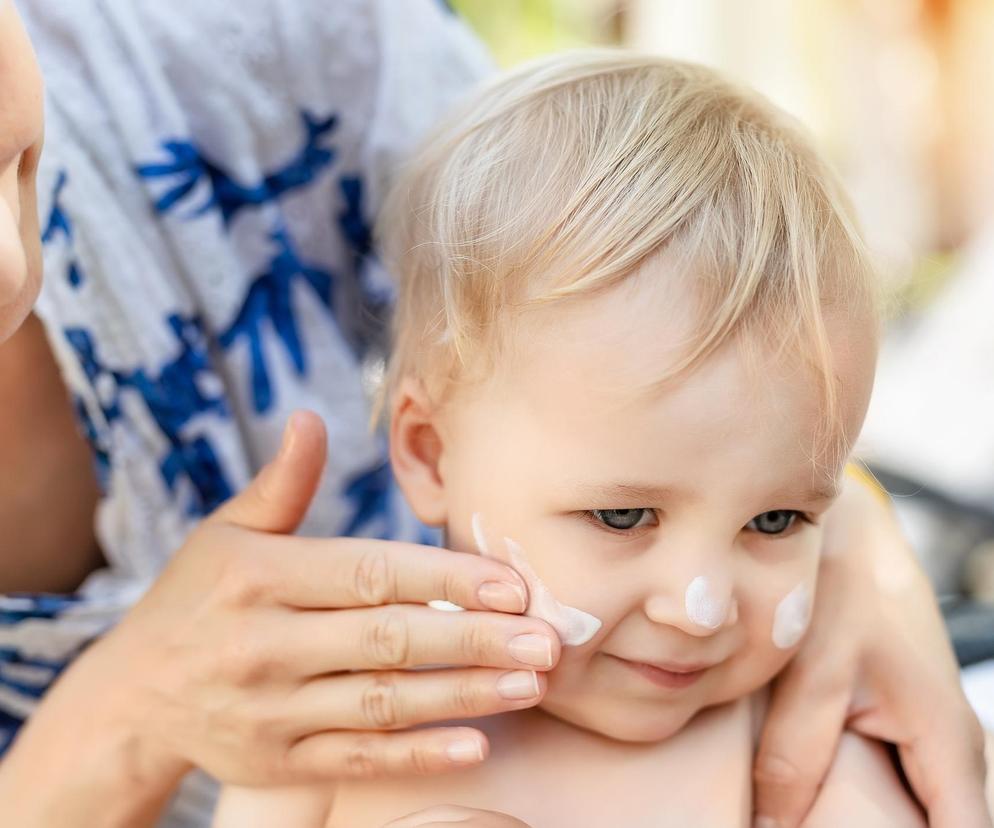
[625,720]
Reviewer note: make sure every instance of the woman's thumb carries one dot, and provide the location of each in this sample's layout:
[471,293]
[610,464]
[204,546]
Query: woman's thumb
[278,497]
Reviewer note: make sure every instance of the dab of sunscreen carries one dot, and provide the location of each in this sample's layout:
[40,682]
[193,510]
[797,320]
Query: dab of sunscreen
[792,616]
[574,626]
[705,605]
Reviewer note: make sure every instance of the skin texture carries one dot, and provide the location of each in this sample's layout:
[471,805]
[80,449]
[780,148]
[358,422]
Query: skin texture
[123,763]
[20,145]
[263,658]
[42,451]
[541,433]
[453,814]
[699,777]
[49,542]
[573,429]
[864,688]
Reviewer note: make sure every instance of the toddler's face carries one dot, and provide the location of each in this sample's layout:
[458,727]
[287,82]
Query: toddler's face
[687,519]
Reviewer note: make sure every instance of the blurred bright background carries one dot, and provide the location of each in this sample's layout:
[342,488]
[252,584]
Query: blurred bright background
[899,95]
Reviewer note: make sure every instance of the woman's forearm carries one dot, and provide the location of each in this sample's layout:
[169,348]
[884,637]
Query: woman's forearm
[84,763]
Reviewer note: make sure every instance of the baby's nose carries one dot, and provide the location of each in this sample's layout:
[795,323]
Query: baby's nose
[706,606]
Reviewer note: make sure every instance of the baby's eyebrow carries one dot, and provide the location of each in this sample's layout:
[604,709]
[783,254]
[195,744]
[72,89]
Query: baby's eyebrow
[621,494]
[824,490]
[642,494]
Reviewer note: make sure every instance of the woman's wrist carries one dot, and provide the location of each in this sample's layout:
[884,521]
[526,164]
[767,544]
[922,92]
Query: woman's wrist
[85,758]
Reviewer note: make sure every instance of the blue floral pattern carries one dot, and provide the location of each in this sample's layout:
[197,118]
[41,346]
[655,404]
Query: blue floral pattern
[188,166]
[268,306]
[216,269]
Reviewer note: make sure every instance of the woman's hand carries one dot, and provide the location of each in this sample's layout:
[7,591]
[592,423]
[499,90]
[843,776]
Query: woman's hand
[266,658]
[876,661]
[442,815]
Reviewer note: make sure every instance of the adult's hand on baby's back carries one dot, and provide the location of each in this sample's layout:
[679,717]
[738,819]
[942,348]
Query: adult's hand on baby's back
[266,658]
[876,661]
[442,815]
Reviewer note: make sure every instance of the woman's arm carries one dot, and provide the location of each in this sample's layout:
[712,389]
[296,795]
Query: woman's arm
[48,492]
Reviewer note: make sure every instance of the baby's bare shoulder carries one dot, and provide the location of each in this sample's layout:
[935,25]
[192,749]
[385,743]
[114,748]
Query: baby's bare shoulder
[301,807]
[863,788]
[546,772]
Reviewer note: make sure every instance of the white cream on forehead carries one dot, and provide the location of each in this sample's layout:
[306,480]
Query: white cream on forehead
[792,616]
[705,604]
[574,626]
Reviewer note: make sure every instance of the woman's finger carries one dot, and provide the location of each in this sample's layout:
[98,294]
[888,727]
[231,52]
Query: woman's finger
[945,764]
[807,713]
[399,699]
[278,497]
[351,755]
[339,573]
[407,635]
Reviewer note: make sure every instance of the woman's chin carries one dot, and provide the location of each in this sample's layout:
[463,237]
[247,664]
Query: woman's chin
[14,311]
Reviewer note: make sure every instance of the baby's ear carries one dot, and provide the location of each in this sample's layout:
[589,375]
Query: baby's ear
[416,451]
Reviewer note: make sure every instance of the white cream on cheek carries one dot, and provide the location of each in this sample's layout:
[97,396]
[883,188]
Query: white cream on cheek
[574,626]
[792,616]
[706,605]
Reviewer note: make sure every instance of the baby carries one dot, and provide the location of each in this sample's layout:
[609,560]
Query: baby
[635,342]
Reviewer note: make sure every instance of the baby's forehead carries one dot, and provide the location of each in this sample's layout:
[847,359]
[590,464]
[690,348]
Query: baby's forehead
[632,341]
[572,438]
[583,388]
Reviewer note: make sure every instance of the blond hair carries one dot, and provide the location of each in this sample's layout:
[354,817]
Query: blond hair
[562,177]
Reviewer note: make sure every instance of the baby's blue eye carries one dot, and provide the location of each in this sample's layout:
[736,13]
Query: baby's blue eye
[773,523]
[621,519]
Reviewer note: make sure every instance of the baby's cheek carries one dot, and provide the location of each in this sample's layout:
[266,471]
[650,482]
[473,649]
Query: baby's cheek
[775,615]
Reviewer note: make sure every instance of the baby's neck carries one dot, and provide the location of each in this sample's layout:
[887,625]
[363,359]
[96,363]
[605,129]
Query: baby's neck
[708,761]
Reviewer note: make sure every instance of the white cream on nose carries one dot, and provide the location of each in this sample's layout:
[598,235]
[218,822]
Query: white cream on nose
[706,604]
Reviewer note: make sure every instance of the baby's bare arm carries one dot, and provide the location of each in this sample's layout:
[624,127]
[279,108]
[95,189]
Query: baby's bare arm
[301,807]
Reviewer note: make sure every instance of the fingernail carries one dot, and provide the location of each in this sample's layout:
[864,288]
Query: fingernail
[289,430]
[765,822]
[502,597]
[521,684]
[531,649]
[464,752]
